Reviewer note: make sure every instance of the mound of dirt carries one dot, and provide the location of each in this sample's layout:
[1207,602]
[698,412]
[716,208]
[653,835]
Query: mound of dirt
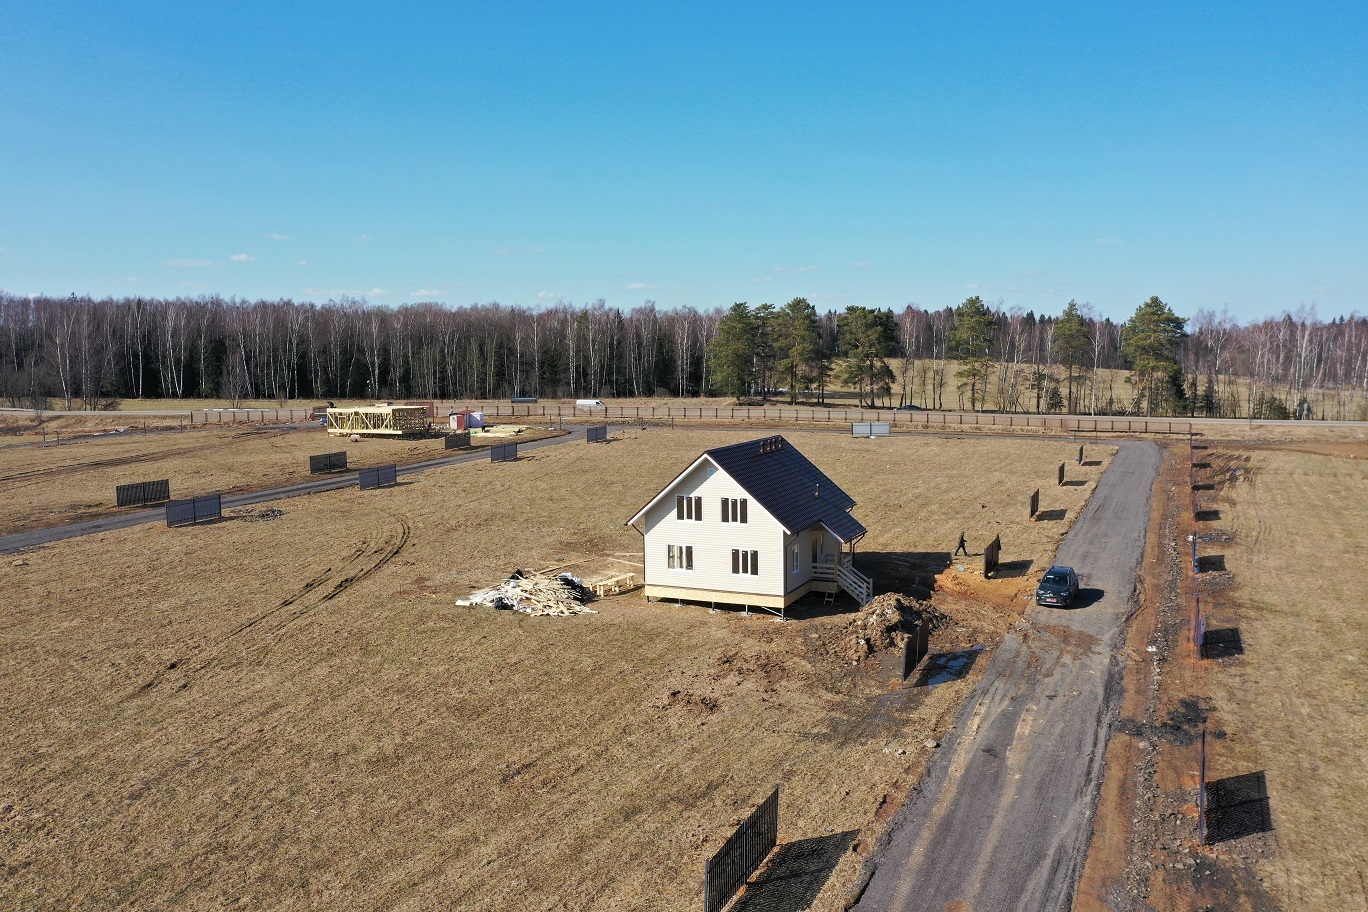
[884,623]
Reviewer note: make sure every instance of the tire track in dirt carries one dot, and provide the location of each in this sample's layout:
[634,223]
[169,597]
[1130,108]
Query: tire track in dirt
[362,562]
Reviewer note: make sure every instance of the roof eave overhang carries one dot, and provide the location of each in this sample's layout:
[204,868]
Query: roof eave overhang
[837,535]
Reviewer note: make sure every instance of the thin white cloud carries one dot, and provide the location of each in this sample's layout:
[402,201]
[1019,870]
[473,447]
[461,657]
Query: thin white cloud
[763,279]
[548,294]
[638,286]
[188,263]
[426,292]
[1032,272]
[973,286]
[860,264]
[808,268]
[130,278]
[276,237]
[349,292]
[535,250]
[501,251]
[302,263]
[1106,242]
[364,237]
[241,258]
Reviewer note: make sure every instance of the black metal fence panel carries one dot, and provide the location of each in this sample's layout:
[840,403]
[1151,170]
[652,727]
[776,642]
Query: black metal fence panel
[141,493]
[1035,503]
[991,555]
[378,477]
[503,452]
[327,462]
[725,872]
[596,434]
[915,649]
[457,441]
[194,510]
[1061,473]
[1080,455]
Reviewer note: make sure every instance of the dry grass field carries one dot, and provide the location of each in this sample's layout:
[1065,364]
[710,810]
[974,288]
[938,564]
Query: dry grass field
[61,482]
[293,714]
[1295,702]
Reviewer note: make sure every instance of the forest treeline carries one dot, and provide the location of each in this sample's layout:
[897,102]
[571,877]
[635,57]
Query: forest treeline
[975,355]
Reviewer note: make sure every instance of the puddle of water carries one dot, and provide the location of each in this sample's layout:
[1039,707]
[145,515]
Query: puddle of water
[944,667]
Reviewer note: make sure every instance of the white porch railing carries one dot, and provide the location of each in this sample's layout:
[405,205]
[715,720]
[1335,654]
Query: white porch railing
[853,581]
[842,570]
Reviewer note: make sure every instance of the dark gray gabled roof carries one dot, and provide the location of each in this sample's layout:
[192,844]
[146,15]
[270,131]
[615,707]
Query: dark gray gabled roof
[789,487]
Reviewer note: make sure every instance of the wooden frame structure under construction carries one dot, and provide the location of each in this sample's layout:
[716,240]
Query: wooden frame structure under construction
[380,420]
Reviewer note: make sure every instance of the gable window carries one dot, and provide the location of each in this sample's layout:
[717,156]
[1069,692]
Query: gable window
[680,557]
[689,508]
[745,562]
[734,509]
[794,562]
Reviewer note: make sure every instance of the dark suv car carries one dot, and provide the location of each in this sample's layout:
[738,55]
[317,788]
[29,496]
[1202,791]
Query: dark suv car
[1058,586]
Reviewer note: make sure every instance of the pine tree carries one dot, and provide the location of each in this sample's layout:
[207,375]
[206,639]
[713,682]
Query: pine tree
[1149,343]
[1071,343]
[971,341]
[763,317]
[732,352]
[866,338]
[797,343]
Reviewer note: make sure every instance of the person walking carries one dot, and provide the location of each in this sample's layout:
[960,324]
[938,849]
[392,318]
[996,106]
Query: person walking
[961,547]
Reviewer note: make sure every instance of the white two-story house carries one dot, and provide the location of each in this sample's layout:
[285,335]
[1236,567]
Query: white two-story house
[752,524]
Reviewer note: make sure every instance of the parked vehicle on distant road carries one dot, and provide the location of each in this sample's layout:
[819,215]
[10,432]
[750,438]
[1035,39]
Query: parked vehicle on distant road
[1057,587]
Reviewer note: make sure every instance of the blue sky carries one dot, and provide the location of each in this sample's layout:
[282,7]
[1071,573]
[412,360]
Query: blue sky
[693,154]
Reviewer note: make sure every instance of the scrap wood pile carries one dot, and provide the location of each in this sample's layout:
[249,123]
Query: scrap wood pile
[537,594]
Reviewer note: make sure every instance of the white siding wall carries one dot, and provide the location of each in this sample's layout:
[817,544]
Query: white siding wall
[713,540]
[805,540]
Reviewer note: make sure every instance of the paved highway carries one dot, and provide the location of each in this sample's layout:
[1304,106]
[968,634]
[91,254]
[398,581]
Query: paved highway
[1003,819]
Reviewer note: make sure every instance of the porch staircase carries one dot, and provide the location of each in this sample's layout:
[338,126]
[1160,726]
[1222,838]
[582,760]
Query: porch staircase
[842,570]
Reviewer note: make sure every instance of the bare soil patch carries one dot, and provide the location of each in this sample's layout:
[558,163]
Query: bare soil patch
[293,713]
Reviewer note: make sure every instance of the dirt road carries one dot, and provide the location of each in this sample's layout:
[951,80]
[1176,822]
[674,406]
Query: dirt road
[22,540]
[1004,818]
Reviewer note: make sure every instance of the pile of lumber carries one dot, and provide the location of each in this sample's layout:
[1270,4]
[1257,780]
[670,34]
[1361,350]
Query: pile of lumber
[535,593]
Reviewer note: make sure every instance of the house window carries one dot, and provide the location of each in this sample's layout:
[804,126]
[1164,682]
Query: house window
[680,557]
[745,561]
[734,509]
[794,562]
[689,508]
